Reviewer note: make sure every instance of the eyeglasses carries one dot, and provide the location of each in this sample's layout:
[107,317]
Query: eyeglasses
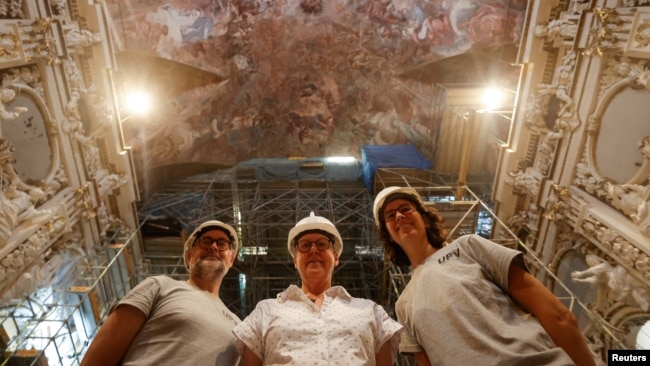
[222,244]
[405,209]
[304,245]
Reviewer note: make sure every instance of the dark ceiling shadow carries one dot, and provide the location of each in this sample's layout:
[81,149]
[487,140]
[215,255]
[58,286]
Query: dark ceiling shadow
[477,66]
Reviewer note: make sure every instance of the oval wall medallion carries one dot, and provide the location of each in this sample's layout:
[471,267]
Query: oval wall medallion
[26,129]
[623,124]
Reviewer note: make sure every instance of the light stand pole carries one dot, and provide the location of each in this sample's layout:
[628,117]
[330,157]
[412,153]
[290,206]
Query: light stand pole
[466,152]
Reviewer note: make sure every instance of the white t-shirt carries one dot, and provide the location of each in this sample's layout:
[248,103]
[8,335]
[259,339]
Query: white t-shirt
[185,326]
[291,330]
[456,308]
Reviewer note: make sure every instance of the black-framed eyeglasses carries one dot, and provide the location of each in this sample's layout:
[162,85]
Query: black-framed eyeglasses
[222,244]
[405,209]
[304,245]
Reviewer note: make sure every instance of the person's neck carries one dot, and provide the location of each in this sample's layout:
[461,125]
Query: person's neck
[315,290]
[209,285]
[419,253]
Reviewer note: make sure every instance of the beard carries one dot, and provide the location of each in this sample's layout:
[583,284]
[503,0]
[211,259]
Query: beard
[209,269]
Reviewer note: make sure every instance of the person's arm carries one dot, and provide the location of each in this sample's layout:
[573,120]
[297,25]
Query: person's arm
[249,358]
[114,337]
[384,357]
[557,320]
[422,359]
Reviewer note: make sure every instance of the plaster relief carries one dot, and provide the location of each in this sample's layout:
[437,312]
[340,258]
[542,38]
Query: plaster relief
[620,179]
[622,286]
[638,43]
[19,201]
[613,243]
[551,113]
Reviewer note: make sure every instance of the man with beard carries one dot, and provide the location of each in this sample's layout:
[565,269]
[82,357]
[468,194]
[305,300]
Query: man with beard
[163,321]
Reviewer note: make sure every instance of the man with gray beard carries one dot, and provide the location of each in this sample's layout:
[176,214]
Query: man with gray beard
[163,321]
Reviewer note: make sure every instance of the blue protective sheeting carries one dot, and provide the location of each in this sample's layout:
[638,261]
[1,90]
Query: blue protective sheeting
[389,156]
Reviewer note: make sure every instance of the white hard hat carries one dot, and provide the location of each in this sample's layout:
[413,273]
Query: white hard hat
[314,222]
[389,191]
[206,226]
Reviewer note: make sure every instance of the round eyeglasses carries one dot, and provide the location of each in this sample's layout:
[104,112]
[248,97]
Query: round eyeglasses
[405,209]
[304,245]
[222,244]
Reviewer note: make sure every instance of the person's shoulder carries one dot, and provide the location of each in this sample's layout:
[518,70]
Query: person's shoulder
[264,307]
[471,239]
[162,280]
[369,306]
[363,302]
[468,243]
[266,303]
[483,247]
[468,237]
[339,292]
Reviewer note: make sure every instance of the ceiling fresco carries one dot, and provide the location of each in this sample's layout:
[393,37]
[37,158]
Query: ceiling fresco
[237,80]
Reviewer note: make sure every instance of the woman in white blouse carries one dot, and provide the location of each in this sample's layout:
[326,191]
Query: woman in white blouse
[317,324]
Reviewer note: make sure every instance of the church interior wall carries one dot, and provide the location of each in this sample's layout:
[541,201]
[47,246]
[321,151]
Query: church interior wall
[571,180]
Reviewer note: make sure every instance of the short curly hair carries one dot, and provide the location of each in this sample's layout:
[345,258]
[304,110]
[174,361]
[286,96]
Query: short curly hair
[436,233]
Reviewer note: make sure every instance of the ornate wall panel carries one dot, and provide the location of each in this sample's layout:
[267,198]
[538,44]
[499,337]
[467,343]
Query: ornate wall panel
[580,161]
[66,179]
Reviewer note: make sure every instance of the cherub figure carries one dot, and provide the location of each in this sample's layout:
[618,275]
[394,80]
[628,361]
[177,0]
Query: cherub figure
[7,95]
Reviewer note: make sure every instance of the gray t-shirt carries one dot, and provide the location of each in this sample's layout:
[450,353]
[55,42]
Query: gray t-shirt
[185,326]
[456,309]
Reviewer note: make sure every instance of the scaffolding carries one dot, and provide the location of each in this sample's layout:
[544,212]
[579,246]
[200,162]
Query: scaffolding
[263,212]
[57,323]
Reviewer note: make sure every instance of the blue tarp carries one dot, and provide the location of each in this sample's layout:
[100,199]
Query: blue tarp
[389,156]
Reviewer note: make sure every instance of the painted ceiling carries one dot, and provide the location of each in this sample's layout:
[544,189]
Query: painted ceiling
[238,80]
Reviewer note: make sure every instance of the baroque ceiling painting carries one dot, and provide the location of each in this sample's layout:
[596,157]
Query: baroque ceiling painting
[238,80]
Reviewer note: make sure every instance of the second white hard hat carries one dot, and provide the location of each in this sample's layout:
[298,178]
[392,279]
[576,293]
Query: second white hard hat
[313,222]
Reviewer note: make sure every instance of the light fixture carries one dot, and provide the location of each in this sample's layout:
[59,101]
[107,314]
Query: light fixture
[138,102]
[497,100]
[492,97]
[341,159]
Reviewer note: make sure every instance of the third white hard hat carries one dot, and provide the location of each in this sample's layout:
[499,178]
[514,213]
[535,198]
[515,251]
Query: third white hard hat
[389,191]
